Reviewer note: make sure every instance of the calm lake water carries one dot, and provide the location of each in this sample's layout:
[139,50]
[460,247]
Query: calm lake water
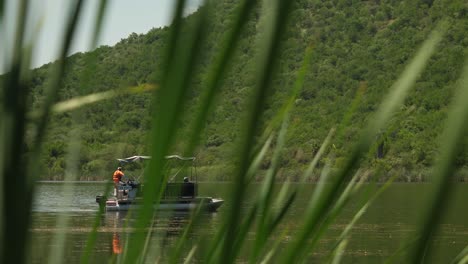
[381,232]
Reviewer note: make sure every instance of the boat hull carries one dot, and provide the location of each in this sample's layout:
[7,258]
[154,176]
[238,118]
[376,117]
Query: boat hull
[207,203]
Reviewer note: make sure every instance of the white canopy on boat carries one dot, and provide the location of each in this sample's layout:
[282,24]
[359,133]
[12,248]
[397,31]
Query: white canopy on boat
[137,158]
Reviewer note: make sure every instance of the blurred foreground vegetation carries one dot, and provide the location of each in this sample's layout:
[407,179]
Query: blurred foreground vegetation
[359,49]
[343,90]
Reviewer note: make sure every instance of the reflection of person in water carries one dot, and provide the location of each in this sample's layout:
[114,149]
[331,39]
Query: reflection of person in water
[116,247]
[116,222]
[117,178]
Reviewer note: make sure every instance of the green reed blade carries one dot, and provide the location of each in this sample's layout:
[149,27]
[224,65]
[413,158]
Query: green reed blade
[266,68]
[392,102]
[2,7]
[81,101]
[269,227]
[352,109]
[263,229]
[275,247]
[153,173]
[241,233]
[72,160]
[16,198]
[170,100]
[403,249]
[98,23]
[322,227]
[190,255]
[171,47]
[177,250]
[146,245]
[461,258]
[296,89]
[92,236]
[57,254]
[264,199]
[464,260]
[265,196]
[51,97]
[455,130]
[280,215]
[255,166]
[318,156]
[216,73]
[216,245]
[346,232]
[250,175]
[214,252]
[339,252]
[57,78]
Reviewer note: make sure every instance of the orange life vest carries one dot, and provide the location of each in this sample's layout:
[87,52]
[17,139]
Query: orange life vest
[117,176]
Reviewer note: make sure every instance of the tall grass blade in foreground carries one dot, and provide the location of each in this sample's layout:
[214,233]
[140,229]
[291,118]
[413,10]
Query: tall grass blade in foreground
[276,28]
[16,210]
[388,107]
[92,62]
[216,73]
[73,155]
[267,221]
[171,101]
[461,258]
[16,191]
[56,255]
[456,129]
[181,59]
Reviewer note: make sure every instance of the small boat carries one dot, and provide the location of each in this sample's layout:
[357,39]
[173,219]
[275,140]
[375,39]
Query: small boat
[178,195]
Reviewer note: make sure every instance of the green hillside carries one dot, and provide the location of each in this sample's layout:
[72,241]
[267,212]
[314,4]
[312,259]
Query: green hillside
[359,49]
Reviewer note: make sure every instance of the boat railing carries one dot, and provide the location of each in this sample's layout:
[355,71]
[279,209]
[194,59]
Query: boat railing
[180,190]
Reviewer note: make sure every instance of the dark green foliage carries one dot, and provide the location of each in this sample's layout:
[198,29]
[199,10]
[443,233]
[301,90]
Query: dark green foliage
[230,79]
[366,41]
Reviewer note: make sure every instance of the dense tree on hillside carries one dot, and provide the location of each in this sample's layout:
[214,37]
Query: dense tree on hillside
[356,44]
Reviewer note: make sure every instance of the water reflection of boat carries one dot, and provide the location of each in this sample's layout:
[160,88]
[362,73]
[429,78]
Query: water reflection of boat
[178,195]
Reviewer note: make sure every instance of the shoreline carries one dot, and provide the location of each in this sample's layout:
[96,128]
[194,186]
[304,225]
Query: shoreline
[228,182]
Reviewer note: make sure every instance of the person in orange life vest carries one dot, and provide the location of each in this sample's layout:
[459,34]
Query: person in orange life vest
[117,177]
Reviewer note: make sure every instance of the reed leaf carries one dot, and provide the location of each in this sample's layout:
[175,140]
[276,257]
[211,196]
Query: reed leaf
[247,139]
[50,98]
[241,233]
[220,65]
[190,255]
[265,228]
[346,232]
[339,252]
[2,7]
[177,250]
[16,195]
[266,192]
[455,130]
[391,103]
[81,101]
[56,254]
[296,89]
[254,167]
[318,155]
[461,258]
[157,163]
[174,87]
[56,78]
[92,236]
